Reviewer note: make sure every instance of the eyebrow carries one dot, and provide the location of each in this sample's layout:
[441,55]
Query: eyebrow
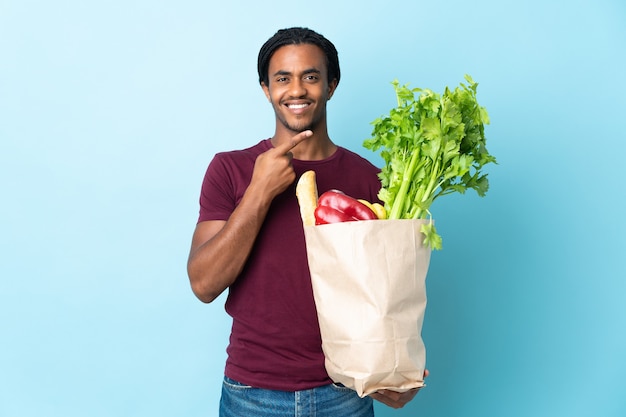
[305,72]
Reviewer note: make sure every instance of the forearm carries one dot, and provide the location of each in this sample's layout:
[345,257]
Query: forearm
[216,263]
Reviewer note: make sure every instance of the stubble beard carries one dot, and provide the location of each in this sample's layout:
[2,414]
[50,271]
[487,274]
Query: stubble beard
[298,126]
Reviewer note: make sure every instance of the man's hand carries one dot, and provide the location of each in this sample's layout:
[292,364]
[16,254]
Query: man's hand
[273,171]
[396,399]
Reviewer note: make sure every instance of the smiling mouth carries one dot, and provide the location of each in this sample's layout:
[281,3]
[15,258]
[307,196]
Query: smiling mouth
[297,106]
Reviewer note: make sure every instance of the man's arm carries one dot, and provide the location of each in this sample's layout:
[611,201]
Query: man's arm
[219,249]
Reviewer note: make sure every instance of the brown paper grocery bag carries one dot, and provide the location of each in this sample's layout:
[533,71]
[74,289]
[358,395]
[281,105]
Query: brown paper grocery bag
[369,286]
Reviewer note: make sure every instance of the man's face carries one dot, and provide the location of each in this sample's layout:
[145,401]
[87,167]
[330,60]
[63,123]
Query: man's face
[298,87]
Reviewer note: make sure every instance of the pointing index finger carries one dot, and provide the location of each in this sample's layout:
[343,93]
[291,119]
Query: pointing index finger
[293,142]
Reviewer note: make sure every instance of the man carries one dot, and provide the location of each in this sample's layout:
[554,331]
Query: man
[249,239]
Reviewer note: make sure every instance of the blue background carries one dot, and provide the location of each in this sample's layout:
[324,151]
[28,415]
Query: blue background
[111,111]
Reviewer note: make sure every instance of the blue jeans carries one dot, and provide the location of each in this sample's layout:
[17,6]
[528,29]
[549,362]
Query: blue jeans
[240,400]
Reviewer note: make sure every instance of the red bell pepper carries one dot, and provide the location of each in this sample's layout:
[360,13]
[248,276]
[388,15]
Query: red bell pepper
[334,206]
[326,215]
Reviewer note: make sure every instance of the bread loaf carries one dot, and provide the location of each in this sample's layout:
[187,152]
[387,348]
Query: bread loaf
[306,192]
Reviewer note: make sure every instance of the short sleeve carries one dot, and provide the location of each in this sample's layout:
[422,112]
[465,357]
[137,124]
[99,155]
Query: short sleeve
[217,198]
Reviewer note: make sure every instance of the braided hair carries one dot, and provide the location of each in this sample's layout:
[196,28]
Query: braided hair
[297,36]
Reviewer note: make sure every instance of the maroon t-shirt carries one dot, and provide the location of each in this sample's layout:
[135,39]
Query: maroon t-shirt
[275,339]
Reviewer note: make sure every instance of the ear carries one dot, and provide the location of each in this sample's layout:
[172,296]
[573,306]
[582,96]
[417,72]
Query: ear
[266,90]
[331,88]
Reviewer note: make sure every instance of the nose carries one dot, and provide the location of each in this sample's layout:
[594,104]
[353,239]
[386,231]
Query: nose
[297,88]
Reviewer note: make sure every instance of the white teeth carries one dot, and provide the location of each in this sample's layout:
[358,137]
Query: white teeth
[297,106]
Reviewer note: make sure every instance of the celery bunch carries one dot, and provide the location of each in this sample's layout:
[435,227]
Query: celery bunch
[432,145]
